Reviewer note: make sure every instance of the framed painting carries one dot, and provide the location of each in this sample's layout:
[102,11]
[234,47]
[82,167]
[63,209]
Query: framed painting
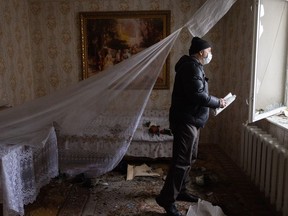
[118,35]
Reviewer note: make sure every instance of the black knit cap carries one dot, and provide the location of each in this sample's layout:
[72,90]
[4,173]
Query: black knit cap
[198,44]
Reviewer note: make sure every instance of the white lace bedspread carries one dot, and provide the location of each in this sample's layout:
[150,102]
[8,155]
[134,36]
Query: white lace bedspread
[24,171]
[142,134]
[152,117]
[90,153]
[150,149]
[145,144]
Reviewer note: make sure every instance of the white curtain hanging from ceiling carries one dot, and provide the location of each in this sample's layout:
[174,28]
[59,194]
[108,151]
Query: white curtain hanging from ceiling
[103,111]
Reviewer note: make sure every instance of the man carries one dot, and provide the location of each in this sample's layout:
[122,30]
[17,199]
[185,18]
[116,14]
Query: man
[189,112]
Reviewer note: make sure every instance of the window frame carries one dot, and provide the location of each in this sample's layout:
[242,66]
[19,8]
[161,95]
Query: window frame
[253,115]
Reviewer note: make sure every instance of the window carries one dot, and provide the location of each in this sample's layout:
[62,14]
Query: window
[269,90]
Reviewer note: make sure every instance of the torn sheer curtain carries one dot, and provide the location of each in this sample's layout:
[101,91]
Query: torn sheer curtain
[96,118]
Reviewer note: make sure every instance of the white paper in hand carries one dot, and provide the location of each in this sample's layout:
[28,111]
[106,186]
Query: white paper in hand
[229,99]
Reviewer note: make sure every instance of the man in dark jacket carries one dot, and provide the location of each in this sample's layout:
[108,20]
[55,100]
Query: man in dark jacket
[189,112]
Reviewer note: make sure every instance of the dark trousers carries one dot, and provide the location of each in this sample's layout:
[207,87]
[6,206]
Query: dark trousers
[185,148]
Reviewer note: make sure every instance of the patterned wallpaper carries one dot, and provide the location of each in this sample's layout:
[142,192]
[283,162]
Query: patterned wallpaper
[235,67]
[40,53]
[55,36]
[16,75]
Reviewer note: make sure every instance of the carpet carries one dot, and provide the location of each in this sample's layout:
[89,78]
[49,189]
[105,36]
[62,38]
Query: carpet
[113,195]
[75,202]
[214,178]
[61,197]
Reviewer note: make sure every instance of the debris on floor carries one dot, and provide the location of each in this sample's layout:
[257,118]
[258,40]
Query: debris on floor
[206,179]
[142,170]
[204,208]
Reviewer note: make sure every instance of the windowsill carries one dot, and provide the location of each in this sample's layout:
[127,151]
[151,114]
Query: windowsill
[279,120]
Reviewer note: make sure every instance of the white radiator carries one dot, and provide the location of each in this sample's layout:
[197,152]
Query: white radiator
[266,162]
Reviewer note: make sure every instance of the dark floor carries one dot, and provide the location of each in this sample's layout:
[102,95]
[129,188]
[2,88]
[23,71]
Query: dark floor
[224,185]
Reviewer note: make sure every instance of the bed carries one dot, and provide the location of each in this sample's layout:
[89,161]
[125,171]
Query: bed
[152,144]
[107,143]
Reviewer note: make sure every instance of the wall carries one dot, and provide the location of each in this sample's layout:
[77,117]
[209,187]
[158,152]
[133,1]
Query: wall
[53,62]
[236,66]
[16,75]
[55,32]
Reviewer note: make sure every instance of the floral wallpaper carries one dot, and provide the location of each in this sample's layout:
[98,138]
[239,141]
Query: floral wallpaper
[55,36]
[235,72]
[16,75]
[40,53]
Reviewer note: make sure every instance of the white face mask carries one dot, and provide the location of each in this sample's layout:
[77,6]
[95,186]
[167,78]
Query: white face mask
[207,59]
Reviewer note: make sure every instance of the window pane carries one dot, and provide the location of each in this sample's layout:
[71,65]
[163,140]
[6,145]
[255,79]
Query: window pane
[270,56]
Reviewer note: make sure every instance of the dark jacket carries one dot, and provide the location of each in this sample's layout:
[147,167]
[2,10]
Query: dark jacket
[190,96]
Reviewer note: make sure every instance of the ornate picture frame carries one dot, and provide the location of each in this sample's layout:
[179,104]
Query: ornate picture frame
[118,34]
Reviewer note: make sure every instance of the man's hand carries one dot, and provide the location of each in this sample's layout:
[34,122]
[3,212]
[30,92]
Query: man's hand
[223,103]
